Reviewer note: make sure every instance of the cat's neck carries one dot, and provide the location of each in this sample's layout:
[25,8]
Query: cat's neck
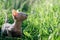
[17,24]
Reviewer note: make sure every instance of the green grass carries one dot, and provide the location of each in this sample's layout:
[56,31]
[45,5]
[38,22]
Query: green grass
[43,22]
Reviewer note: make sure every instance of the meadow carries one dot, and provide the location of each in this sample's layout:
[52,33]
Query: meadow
[43,22]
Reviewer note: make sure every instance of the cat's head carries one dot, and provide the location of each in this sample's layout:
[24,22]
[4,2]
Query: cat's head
[19,16]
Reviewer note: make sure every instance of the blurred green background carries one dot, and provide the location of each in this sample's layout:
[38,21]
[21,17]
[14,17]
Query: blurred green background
[43,22]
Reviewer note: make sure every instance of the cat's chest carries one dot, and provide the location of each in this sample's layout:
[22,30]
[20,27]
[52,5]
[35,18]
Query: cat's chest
[16,29]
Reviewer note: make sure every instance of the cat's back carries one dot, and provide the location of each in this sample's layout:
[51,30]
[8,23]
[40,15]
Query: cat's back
[5,26]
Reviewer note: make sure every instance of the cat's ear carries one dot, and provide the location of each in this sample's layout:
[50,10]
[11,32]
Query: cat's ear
[14,12]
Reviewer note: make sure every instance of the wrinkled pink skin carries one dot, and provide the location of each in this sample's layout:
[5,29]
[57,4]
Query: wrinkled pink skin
[15,29]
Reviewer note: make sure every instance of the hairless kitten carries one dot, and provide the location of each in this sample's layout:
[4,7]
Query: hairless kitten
[15,29]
